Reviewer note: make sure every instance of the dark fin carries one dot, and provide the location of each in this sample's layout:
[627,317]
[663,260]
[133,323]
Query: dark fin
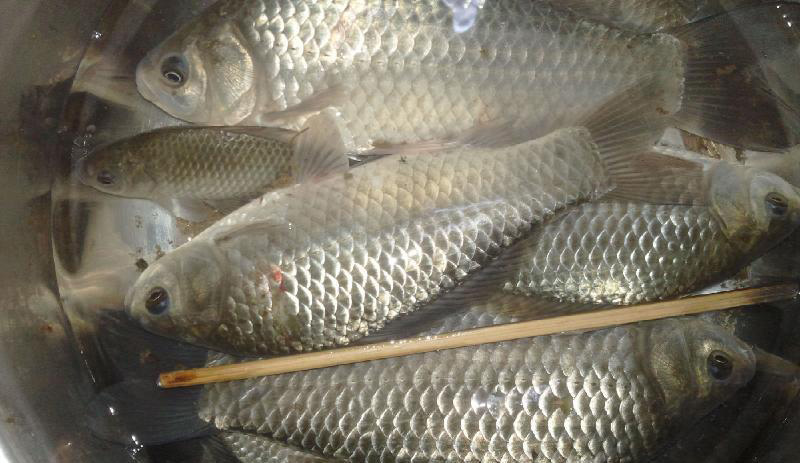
[137,411]
[136,353]
[261,226]
[527,307]
[477,289]
[737,69]
[668,180]
[495,134]
[625,128]
[193,210]
[493,308]
[319,149]
[210,449]
[331,97]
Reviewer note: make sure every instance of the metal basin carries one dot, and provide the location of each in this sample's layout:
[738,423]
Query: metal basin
[69,252]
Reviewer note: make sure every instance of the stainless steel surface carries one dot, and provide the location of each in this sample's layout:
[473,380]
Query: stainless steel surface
[45,380]
[43,384]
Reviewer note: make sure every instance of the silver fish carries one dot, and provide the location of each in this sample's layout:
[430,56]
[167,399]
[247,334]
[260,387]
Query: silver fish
[399,72]
[327,262]
[610,395]
[188,169]
[620,252]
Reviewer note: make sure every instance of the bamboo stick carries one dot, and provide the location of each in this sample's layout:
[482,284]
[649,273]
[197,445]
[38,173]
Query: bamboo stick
[578,322]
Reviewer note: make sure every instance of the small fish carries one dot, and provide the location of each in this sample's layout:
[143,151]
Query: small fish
[324,263]
[399,72]
[190,169]
[622,252]
[616,394]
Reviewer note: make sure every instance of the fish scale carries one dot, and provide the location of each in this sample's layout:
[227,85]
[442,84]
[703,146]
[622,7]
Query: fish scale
[206,163]
[249,448]
[410,77]
[623,253]
[595,396]
[336,286]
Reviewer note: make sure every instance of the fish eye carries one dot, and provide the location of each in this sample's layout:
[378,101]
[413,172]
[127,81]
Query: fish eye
[719,365]
[105,177]
[173,69]
[777,204]
[157,301]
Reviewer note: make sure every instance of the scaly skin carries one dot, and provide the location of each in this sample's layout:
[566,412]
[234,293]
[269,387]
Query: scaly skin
[408,75]
[332,261]
[250,448]
[624,253]
[197,163]
[611,395]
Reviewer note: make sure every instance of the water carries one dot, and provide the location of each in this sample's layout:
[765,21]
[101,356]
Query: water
[102,243]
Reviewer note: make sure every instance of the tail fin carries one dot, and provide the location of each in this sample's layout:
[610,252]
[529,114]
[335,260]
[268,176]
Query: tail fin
[625,128]
[208,449]
[739,70]
[136,411]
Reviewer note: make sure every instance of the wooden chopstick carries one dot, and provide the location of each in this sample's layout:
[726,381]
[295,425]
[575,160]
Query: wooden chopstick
[382,350]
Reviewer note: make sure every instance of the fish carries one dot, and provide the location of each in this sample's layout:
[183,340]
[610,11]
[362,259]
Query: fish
[326,262]
[623,252]
[193,170]
[400,72]
[651,15]
[785,164]
[616,394]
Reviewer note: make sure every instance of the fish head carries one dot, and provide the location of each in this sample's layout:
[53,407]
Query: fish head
[698,365]
[117,170]
[757,209]
[202,74]
[181,295]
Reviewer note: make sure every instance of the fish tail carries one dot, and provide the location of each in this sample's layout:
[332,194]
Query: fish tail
[733,92]
[138,412]
[196,450]
[624,129]
[136,406]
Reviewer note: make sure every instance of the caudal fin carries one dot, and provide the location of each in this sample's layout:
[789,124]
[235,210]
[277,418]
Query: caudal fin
[741,83]
[625,128]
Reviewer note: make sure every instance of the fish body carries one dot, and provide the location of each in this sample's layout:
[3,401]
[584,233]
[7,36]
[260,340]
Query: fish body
[621,252]
[624,253]
[404,71]
[323,263]
[204,163]
[609,395]
[408,75]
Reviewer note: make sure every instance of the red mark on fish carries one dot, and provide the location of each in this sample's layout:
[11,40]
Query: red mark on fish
[277,277]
